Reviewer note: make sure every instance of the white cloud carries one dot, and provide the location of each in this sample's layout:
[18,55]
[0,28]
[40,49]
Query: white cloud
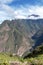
[5,1]
[38,10]
[23,12]
[7,12]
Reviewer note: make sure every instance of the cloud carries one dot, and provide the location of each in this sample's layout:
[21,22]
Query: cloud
[22,12]
[5,1]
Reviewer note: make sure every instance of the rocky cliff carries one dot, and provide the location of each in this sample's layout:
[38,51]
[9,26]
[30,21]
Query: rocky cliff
[21,36]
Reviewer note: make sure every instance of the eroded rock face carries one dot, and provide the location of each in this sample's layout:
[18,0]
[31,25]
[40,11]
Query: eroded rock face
[20,36]
[24,47]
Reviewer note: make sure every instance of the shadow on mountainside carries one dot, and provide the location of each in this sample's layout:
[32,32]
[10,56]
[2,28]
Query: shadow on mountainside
[38,46]
[35,53]
[38,38]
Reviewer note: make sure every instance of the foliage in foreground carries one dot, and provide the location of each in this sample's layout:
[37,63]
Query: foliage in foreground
[36,58]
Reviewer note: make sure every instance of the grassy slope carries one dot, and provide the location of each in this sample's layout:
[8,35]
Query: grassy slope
[6,58]
[36,58]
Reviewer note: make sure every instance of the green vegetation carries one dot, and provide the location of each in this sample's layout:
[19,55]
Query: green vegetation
[6,58]
[35,58]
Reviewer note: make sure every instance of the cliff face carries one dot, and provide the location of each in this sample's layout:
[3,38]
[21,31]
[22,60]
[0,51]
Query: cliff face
[21,36]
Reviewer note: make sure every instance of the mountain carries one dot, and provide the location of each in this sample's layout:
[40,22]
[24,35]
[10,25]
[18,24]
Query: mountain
[21,36]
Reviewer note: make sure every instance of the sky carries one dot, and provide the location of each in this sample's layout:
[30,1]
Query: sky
[20,9]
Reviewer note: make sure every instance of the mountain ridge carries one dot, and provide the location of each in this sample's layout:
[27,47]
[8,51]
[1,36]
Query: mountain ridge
[16,35]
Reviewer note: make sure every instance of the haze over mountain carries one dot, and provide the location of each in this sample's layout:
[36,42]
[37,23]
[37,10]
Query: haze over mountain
[21,36]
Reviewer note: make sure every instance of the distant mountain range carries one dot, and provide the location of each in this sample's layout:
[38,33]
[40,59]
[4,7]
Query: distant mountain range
[21,36]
